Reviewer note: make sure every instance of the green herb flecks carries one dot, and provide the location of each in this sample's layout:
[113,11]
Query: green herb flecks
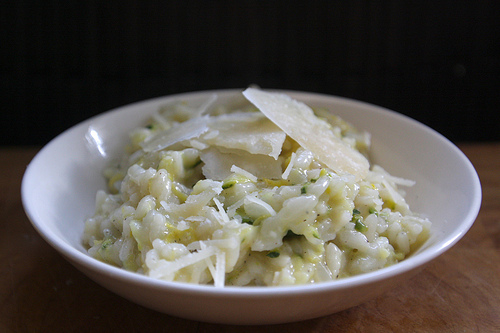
[228,184]
[273,254]
[360,226]
[247,220]
[357,219]
[107,243]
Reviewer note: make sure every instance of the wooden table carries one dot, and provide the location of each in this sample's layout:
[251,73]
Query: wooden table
[41,292]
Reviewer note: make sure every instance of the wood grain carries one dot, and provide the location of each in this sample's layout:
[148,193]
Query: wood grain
[41,292]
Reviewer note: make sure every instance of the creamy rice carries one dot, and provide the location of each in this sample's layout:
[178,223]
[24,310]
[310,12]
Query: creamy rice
[218,194]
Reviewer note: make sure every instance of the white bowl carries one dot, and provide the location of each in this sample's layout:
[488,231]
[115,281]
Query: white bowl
[59,187]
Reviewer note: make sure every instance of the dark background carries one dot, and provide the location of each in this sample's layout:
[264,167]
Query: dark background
[64,61]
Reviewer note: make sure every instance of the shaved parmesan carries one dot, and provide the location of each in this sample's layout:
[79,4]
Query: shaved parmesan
[218,163]
[298,121]
[189,129]
[249,131]
[203,109]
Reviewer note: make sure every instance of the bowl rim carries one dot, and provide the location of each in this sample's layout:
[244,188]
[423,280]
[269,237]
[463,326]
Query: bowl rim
[418,260]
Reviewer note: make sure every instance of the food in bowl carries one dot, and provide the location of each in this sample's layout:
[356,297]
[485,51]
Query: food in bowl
[260,191]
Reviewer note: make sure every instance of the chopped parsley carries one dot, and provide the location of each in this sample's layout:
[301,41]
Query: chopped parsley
[247,220]
[273,254]
[228,184]
[360,226]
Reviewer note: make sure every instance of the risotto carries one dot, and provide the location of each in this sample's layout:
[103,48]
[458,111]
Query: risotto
[259,191]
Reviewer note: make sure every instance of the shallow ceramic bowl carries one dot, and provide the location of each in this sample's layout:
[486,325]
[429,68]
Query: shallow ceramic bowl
[59,187]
